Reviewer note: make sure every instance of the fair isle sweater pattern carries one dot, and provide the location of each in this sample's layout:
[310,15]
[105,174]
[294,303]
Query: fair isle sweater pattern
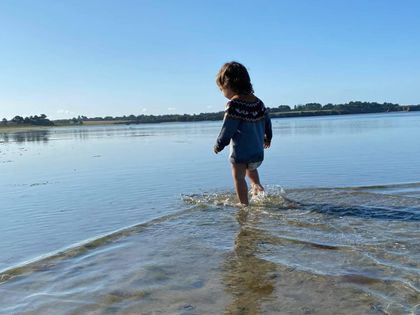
[249,111]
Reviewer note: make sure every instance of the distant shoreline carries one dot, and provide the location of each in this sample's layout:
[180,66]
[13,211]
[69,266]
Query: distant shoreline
[282,111]
[59,123]
[25,127]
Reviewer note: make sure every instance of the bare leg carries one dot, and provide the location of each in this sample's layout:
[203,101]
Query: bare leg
[238,174]
[255,181]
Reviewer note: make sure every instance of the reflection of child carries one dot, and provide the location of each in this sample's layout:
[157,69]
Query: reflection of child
[246,126]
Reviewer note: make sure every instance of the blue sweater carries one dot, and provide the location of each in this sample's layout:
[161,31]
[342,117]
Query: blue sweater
[246,126]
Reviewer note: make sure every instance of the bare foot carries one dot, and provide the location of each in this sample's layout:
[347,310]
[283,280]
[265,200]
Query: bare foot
[256,189]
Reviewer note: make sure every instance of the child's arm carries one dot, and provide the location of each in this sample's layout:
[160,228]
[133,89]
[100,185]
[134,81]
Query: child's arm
[230,125]
[268,131]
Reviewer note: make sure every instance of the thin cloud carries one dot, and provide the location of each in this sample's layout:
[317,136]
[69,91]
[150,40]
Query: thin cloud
[64,112]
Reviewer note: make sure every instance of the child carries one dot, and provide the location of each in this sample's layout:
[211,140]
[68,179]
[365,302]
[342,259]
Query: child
[246,126]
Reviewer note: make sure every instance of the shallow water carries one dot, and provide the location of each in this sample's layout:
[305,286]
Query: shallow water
[139,220]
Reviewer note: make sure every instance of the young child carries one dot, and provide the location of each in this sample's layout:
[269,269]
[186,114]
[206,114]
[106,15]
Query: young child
[246,126]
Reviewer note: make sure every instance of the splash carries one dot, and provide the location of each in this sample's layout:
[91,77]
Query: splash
[274,197]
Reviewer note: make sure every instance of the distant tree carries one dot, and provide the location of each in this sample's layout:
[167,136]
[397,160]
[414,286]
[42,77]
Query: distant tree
[391,107]
[18,120]
[4,121]
[36,120]
[328,106]
[313,106]
[282,108]
[300,107]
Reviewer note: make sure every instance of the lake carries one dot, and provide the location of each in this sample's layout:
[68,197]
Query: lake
[140,220]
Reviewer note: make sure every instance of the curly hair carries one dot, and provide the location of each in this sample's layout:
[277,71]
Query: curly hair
[234,76]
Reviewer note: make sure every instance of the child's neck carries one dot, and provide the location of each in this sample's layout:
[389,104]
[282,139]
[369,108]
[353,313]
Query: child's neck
[248,97]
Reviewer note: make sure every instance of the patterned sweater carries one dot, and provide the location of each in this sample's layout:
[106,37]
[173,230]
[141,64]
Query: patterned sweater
[246,126]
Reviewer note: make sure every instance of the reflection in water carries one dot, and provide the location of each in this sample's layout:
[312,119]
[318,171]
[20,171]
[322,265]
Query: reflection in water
[249,279]
[333,125]
[73,133]
[26,136]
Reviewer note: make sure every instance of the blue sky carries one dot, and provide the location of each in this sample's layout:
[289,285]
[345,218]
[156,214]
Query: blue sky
[98,58]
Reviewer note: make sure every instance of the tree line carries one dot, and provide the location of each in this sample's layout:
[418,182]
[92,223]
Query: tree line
[357,107]
[309,109]
[348,108]
[36,120]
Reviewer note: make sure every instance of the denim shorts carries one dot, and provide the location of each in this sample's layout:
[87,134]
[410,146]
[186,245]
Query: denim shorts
[253,166]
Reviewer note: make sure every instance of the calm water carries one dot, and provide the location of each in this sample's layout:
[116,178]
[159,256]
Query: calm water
[139,220]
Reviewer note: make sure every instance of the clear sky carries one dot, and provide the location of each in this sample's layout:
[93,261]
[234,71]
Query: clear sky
[99,58]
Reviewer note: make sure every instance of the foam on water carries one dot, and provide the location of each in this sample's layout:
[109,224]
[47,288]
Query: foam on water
[273,198]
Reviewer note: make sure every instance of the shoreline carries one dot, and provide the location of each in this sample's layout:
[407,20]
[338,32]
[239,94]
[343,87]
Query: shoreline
[274,115]
[17,128]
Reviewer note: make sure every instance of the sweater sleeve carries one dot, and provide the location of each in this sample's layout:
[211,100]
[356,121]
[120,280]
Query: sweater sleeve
[268,130]
[230,126]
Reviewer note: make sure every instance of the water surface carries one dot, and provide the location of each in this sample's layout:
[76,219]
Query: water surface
[139,219]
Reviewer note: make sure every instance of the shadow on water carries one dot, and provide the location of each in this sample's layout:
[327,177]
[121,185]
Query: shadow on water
[26,136]
[367,212]
[249,279]
[397,202]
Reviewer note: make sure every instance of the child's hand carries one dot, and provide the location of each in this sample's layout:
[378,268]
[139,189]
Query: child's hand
[216,149]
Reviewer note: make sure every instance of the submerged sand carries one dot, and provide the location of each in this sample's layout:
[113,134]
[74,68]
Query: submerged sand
[212,258]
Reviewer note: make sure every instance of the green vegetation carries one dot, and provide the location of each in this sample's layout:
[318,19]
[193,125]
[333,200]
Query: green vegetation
[309,109]
[316,109]
[19,121]
[141,119]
